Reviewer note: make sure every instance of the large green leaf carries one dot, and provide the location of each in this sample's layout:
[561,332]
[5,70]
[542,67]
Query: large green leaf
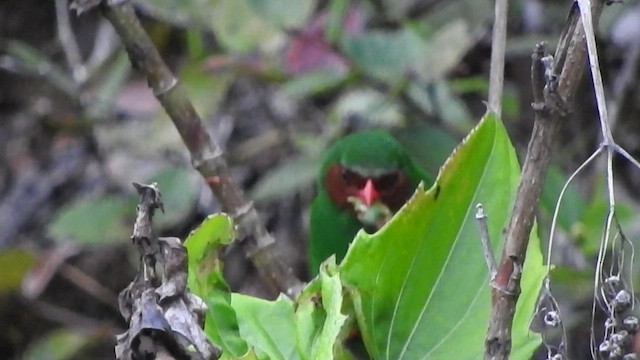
[420,285]
[205,280]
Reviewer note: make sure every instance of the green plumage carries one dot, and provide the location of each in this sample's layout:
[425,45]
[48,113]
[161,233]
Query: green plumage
[370,153]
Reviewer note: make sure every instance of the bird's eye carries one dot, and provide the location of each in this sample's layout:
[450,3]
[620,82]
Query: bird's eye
[387,181]
[352,178]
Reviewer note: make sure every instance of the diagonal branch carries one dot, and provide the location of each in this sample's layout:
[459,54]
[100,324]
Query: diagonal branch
[550,106]
[206,155]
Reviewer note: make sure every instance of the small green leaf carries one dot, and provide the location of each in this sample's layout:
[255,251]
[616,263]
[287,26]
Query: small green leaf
[206,280]
[332,298]
[103,220]
[319,327]
[14,265]
[420,285]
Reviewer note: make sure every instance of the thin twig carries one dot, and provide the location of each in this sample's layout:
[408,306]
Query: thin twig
[206,155]
[89,285]
[481,218]
[69,43]
[570,60]
[498,46]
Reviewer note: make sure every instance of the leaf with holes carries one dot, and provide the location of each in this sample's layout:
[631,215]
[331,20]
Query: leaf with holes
[303,330]
[420,285]
[205,280]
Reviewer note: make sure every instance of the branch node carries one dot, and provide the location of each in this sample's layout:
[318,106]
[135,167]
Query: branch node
[165,85]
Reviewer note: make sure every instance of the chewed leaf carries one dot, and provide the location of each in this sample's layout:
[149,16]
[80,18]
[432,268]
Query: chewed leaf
[420,285]
[206,281]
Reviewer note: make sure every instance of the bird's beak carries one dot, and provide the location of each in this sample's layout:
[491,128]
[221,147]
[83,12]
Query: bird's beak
[368,194]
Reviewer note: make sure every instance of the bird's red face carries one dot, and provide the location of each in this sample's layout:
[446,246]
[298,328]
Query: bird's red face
[392,189]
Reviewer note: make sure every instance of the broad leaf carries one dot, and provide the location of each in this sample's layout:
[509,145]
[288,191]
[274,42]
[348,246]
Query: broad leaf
[420,285]
[206,281]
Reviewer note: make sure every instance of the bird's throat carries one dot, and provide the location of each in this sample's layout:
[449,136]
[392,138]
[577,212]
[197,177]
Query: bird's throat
[372,216]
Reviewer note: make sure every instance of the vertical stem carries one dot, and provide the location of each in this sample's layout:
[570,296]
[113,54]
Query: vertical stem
[498,45]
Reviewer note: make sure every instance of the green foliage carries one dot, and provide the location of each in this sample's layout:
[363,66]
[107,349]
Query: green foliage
[279,329]
[418,287]
[205,280]
[420,284]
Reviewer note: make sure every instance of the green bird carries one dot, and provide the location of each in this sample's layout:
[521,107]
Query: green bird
[364,179]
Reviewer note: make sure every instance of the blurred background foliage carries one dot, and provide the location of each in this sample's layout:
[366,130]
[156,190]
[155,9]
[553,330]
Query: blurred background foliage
[276,82]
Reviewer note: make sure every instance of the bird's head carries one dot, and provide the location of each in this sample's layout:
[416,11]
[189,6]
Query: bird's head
[368,174]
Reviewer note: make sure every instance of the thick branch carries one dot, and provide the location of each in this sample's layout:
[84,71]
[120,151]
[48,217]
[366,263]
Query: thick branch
[206,156]
[550,112]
